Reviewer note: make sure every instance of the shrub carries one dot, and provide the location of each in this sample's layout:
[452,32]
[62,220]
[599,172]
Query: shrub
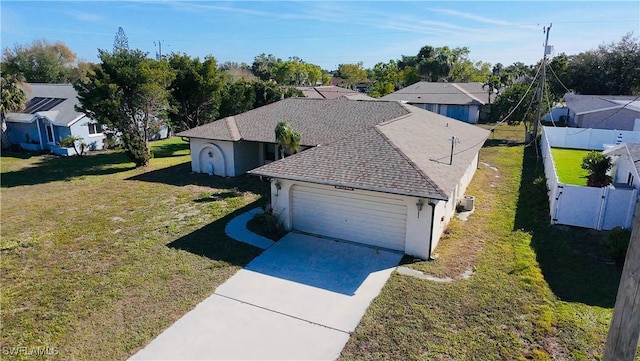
[71,141]
[598,165]
[617,243]
[267,224]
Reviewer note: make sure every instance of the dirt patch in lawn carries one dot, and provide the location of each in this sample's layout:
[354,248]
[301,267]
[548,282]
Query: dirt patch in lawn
[462,240]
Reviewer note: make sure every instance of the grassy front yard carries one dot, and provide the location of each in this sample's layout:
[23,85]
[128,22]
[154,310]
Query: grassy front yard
[569,165]
[99,257]
[537,292]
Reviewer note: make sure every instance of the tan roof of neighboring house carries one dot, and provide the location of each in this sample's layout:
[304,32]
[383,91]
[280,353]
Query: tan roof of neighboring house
[408,155]
[325,91]
[320,121]
[442,93]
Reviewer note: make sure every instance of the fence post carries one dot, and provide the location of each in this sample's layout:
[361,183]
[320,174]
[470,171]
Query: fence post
[603,207]
[622,340]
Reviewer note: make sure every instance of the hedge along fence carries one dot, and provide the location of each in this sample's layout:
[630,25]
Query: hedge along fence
[589,207]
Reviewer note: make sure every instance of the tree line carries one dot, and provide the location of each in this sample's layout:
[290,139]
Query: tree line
[130,92]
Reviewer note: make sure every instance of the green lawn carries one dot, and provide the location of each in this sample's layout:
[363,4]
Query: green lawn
[569,165]
[99,257]
[537,292]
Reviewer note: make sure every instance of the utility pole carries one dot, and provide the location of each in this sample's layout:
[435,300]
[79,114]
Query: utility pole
[622,341]
[542,82]
[159,51]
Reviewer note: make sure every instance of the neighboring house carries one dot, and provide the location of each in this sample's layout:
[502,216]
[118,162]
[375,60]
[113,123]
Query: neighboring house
[49,117]
[331,92]
[593,207]
[626,164]
[468,102]
[379,173]
[603,111]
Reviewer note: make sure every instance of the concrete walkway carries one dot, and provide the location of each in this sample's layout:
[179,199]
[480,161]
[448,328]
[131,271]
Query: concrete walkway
[299,300]
[237,229]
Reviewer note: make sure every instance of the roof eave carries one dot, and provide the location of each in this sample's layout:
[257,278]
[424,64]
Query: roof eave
[350,185]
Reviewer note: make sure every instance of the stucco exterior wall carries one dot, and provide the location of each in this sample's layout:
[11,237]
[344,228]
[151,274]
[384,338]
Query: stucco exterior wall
[16,132]
[81,129]
[222,158]
[246,156]
[623,167]
[417,230]
[473,117]
[418,223]
[618,119]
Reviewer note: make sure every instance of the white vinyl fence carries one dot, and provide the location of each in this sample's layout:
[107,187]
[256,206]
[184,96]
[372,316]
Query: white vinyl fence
[589,207]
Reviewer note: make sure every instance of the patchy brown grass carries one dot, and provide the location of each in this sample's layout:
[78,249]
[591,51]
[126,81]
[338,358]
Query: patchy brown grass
[98,258]
[533,295]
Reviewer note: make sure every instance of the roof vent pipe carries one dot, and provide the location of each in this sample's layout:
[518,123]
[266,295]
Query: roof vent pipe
[454,140]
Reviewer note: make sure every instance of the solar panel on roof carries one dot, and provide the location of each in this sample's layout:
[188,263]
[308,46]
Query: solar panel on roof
[40,104]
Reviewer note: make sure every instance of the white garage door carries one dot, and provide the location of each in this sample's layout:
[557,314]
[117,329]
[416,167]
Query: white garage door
[377,221]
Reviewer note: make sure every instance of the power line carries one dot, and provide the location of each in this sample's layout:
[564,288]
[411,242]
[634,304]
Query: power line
[499,122]
[609,117]
[558,79]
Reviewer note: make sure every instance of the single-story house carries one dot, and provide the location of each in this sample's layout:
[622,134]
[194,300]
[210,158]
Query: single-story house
[384,174]
[394,185]
[616,112]
[467,102]
[234,145]
[49,117]
[626,164]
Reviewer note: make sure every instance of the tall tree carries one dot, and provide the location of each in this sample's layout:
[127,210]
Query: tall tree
[40,62]
[516,105]
[386,79]
[612,69]
[128,92]
[264,66]
[121,42]
[237,97]
[196,91]
[434,64]
[352,74]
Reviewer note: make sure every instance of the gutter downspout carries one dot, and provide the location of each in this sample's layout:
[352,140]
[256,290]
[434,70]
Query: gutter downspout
[433,216]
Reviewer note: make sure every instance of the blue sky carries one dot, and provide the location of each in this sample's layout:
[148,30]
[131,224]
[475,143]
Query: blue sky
[322,32]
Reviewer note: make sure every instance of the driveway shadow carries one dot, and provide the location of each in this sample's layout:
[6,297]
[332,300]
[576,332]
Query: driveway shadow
[573,260]
[212,242]
[328,264]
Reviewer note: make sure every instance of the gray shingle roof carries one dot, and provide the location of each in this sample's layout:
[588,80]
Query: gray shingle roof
[632,149]
[441,93]
[581,104]
[408,155]
[63,114]
[320,121]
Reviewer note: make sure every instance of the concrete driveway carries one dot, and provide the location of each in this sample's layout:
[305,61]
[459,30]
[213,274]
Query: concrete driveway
[299,300]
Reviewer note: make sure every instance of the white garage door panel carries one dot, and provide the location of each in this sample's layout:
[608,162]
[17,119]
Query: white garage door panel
[376,221]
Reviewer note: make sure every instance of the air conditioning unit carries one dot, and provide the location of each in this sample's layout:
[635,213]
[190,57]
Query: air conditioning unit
[468,203]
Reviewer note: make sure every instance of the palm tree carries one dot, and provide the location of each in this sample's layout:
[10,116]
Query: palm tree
[288,138]
[13,99]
